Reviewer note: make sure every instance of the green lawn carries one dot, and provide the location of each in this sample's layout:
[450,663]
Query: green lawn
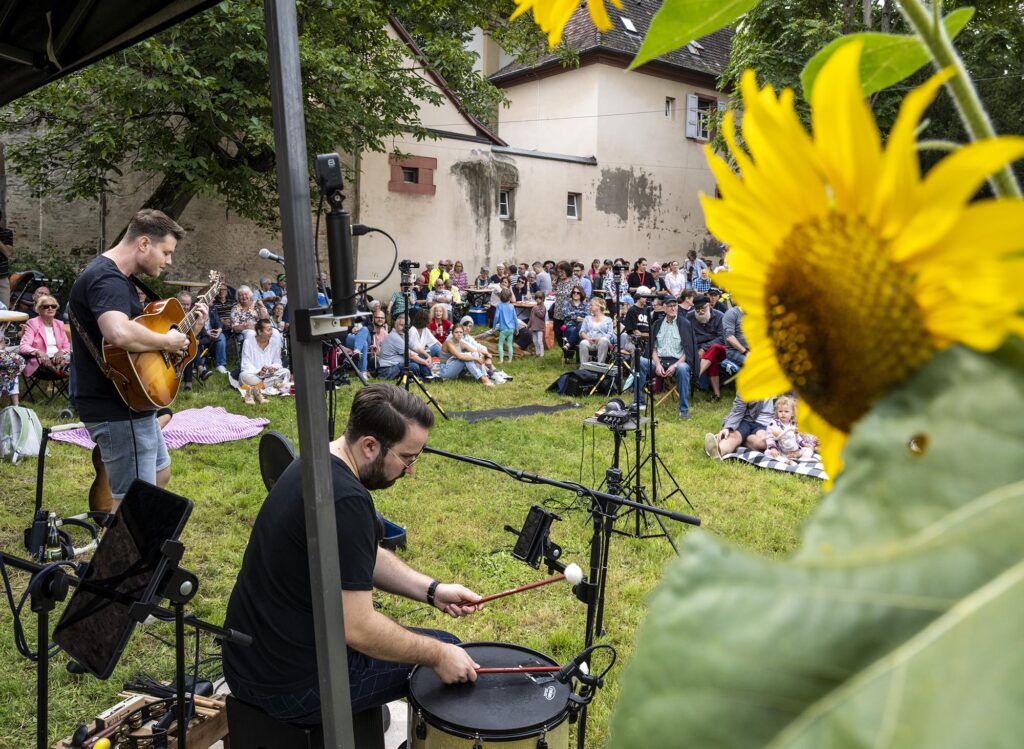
[455,514]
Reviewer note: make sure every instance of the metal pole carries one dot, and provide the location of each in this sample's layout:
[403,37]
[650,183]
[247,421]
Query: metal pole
[307,362]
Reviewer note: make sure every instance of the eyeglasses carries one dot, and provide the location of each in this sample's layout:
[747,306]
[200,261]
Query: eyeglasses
[410,464]
[378,319]
[47,306]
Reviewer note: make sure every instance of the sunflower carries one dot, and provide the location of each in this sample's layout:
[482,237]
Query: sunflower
[552,15]
[852,269]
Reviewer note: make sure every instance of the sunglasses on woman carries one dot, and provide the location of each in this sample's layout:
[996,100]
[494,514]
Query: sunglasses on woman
[47,306]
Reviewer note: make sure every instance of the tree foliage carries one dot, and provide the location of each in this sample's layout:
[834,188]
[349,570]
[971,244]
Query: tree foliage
[192,105]
[778,37]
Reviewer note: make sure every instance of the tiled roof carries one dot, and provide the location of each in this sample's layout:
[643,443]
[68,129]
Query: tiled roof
[710,57]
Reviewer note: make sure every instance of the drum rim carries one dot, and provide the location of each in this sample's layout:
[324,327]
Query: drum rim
[512,734]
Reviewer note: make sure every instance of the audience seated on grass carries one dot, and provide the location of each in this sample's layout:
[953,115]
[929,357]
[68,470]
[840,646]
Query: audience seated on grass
[745,425]
[458,358]
[261,365]
[392,355]
[707,326]
[596,334]
[784,440]
[673,347]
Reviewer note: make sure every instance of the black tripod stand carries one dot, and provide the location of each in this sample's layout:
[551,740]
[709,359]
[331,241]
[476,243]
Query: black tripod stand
[604,506]
[408,376]
[634,480]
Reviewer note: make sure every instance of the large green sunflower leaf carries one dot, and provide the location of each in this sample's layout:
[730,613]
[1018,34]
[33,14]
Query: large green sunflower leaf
[949,687]
[965,413]
[886,59]
[735,647]
[679,22]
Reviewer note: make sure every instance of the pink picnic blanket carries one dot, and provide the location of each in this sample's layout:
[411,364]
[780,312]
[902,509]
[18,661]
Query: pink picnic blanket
[206,426]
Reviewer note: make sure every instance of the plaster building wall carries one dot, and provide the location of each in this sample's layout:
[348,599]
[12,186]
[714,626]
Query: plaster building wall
[556,114]
[643,196]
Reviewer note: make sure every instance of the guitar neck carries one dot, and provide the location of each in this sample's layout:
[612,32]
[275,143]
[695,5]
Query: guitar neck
[205,298]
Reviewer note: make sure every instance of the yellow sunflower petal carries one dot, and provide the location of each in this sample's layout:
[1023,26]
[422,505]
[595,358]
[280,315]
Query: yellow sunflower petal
[948,186]
[729,133]
[955,314]
[788,155]
[844,130]
[761,376]
[901,172]
[599,14]
[832,441]
[985,228]
[522,6]
[733,227]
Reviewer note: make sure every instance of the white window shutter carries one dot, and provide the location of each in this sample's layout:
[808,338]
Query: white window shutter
[723,104]
[692,121]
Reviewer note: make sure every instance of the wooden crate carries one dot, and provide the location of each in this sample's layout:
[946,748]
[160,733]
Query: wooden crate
[209,725]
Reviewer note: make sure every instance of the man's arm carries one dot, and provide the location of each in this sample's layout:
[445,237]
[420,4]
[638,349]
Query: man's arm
[120,331]
[374,634]
[735,415]
[392,575]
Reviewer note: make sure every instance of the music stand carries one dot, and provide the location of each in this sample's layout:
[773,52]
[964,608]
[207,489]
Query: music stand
[134,567]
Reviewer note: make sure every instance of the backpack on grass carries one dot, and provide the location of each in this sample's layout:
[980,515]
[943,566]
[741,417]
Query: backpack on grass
[20,433]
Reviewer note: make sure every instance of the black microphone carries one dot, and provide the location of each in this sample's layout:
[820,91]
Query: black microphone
[566,672]
[268,255]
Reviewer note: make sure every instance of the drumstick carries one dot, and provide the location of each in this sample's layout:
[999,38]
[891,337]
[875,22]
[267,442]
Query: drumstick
[573,574]
[519,670]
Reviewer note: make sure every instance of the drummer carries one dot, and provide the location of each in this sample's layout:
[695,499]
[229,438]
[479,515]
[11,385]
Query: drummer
[386,431]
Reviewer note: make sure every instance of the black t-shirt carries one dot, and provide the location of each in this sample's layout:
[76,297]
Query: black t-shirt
[636,280]
[271,600]
[100,288]
[637,320]
[7,237]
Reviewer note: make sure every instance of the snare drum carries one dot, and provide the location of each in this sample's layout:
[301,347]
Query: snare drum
[511,711]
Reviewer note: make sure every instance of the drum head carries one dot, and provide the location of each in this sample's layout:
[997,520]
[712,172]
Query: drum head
[498,705]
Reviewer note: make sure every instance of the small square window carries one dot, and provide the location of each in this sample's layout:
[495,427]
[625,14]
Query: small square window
[411,175]
[670,108]
[572,206]
[504,204]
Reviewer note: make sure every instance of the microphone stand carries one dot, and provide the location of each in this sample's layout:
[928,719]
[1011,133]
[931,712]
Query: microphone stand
[604,506]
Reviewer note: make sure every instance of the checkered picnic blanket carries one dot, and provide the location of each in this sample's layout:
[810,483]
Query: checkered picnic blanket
[760,460]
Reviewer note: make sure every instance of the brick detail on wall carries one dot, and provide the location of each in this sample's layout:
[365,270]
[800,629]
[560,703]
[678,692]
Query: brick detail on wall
[426,167]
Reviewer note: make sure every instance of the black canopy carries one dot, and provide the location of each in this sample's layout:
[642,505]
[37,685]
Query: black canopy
[42,40]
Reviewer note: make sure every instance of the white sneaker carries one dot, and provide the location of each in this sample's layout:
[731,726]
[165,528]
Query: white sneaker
[222,369]
[711,447]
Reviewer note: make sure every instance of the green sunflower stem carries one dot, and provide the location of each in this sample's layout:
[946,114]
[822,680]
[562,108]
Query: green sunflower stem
[965,95]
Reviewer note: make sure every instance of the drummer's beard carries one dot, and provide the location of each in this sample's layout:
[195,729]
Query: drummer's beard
[372,476]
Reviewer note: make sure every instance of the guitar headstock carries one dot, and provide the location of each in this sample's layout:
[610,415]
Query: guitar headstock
[216,280]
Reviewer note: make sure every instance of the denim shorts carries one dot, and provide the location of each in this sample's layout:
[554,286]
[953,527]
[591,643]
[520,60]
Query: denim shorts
[122,455]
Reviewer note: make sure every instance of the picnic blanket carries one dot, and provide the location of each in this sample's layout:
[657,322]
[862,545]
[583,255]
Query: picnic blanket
[511,413]
[205,426]
[760,460]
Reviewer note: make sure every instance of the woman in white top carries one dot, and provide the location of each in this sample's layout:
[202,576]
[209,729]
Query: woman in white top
[675,279]
[261,362]
[420,336]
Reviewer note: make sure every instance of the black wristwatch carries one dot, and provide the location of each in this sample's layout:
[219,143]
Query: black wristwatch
[431,589]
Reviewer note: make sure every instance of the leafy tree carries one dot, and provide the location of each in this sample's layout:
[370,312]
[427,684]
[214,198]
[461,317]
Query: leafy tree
[192,105]
[778,37]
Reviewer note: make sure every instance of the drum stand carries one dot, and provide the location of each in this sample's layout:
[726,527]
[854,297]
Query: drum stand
[604,506]
[408,376]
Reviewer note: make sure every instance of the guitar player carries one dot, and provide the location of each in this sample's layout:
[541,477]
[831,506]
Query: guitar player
[103,304]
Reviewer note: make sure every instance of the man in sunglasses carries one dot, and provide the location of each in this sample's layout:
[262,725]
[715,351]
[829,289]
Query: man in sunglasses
[385,435]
